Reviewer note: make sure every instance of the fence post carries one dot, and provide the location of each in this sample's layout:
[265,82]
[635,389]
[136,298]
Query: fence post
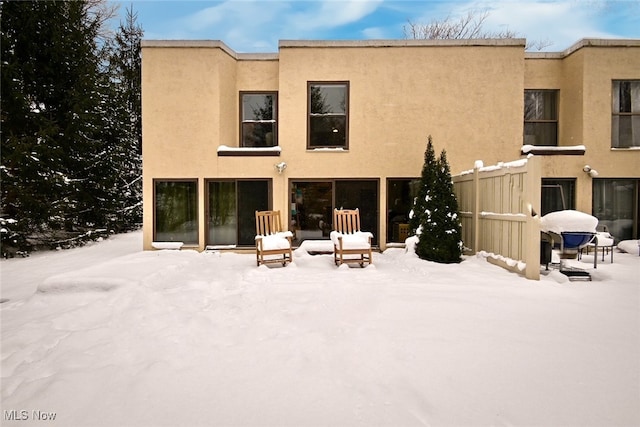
[532,196]
[475,214]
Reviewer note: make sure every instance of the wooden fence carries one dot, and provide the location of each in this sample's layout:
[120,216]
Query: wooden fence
[496,205]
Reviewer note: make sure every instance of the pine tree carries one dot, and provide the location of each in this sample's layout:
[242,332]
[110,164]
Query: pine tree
[435,213]
[48,106]
[122,126]
[449,247]
[423,198]
[51,116]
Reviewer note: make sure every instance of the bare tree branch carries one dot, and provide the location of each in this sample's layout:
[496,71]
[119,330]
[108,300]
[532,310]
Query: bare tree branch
[469,26]
[100,12]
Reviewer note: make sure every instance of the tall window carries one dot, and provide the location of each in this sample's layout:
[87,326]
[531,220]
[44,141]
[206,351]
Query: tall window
[616,204]
[328,106]
[625,118]
[176,211]
[231,210]
[400,195]
[259,119]
[541,117]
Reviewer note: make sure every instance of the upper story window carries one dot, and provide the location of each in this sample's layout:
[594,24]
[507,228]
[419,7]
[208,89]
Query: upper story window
[541,117]
[328,123]
[625,118]
[258,114]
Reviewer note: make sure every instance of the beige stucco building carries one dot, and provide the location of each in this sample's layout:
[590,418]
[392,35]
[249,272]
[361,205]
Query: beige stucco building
[324,124]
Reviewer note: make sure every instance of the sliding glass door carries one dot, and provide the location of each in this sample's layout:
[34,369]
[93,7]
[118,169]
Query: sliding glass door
[616,204]
[231,210]
[312,204]
[400,194]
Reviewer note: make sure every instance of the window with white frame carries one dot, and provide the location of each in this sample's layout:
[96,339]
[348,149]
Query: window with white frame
[625,117]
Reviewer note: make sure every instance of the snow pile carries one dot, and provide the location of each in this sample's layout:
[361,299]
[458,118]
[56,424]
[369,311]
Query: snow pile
[568,221]
[315,246]
[630,246]
[188,338]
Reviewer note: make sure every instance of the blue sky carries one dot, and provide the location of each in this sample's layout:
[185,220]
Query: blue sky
[257,25]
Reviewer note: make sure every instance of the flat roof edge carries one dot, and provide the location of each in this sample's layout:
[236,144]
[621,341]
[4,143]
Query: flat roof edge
[544,55]
[379,43]
[188,44]
[400,43]
[583,43]
[602,43]
[257,56]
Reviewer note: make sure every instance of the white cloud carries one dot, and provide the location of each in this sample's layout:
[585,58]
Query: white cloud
[328,14]
[238,14]
[374,33]
[257,25]
[246,26]
[563,22]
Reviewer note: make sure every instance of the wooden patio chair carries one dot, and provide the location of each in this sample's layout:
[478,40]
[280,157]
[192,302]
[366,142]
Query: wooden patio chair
[273,245]
[351,245]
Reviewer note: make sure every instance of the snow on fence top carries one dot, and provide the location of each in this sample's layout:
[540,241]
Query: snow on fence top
[479,165]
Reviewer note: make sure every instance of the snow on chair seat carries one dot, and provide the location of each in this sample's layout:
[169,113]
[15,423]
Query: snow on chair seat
[272,244]
[357,240]
[276,241]
[351,245]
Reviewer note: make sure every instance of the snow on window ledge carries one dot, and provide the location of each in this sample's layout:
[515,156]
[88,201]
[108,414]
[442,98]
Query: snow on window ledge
[225,150]
[220,247]
[328,150]
[624,148]
[552,150]
[167,245]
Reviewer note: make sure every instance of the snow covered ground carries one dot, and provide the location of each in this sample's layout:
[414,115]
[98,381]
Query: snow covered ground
[110,335]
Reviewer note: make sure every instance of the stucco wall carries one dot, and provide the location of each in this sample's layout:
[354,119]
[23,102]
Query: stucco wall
[183,117]
[584,78]
[467,94]
[468,98]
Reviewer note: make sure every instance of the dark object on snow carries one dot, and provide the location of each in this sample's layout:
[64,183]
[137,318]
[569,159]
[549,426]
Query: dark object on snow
[570,244]
[575,273]
[546,244]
